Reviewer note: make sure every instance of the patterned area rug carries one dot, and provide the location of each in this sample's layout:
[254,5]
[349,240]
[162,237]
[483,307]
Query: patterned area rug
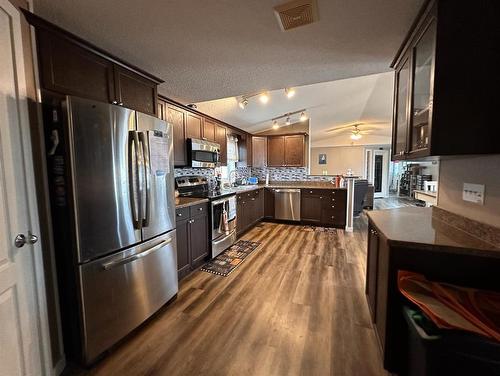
[231,258]
[318,228]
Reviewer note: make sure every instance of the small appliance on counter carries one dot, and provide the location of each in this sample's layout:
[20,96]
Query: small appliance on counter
[252,180]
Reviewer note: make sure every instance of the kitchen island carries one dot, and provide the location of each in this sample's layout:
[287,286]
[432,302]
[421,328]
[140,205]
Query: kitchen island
[429,241]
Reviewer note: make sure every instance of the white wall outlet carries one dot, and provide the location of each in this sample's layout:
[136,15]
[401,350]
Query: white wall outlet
[473,193]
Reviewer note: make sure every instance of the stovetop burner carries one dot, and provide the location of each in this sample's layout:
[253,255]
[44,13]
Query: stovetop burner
[198,186]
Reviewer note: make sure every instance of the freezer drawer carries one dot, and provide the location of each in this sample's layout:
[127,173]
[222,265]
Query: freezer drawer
[119,292]
[287,204]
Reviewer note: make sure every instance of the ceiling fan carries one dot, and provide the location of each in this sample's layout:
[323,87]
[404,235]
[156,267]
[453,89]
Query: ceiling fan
[356,133]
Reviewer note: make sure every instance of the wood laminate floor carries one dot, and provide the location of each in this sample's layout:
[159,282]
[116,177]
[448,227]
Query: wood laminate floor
[296,306]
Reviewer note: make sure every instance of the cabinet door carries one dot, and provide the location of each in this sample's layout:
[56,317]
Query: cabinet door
[177,117]
[193,125]
[268,203]
[183,256]
[161,110]
[135,91]
[422,89]
[259,151]
[371,271]
[294,151]
[198,239]
[400,121]
[276,151]
[69,69]
[208,130]
[310,207]
[221,139]
[259,205]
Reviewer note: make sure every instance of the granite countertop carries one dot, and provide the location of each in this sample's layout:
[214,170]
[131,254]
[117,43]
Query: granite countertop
[413,226]
[182,202]
[282,184]
[301,184]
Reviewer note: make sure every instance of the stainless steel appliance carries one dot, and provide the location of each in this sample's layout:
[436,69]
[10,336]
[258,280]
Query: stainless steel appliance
[287,204]
[223,222]
[203,153]
[113,205]
[223,209]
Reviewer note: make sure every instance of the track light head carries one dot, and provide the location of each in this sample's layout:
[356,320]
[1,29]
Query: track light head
[243,103]
[303,116]
[290,92]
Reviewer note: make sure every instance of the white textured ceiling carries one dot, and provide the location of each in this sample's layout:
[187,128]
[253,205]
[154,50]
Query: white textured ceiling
[215,49]
[330,105]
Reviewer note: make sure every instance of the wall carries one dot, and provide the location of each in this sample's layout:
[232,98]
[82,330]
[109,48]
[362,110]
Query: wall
[471,169]
[338,159]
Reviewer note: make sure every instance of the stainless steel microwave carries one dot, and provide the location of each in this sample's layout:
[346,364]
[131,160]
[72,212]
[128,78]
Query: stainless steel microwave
[203,153]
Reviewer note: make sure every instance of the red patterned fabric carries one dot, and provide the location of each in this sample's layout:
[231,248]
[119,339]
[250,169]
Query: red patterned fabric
[453,307]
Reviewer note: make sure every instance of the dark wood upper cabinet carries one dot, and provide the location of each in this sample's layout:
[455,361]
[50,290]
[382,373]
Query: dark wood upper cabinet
[69,65]
[134,91]
[259,151]
[286,150]
[70,69]
[194,124]
[276,151]
[294,151]
[221,139]
[446,86]
[177,117]
[208,130]
[161,109]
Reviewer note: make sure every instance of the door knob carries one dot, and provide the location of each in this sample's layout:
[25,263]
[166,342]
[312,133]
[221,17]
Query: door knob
[20,240]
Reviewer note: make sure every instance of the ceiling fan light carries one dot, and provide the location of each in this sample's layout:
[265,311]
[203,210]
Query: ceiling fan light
[264,98]
[290,92]
[355,136]
[303,116]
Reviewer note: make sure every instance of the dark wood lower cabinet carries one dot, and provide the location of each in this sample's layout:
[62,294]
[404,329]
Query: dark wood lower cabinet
[193,244]
[249,209]
[324,207]
[371,271]
[268,203]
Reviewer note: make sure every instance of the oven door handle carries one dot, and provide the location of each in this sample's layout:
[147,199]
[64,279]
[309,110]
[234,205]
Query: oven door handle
[215,242]
[222,200]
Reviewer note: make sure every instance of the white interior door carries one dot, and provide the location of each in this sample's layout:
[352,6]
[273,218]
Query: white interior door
[380,172]
[23,318]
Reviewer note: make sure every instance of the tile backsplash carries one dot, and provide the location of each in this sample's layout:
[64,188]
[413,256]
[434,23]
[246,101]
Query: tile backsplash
[275,173]
[286,174]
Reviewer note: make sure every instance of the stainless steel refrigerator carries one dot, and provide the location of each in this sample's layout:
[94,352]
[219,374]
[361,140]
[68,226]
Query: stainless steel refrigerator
[116,219]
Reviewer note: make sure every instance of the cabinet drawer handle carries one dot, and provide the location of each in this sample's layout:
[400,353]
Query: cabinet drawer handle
[120,104]
[114,102]
[310,191]
[320,197]
[333,199]
[179,214]
[333,206]
[333,216]
[200,209]
[253,198]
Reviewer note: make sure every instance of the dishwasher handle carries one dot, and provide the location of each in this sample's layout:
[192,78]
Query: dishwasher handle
[287,190]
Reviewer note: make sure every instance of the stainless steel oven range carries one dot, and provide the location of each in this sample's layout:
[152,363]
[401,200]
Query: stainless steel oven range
[223,209]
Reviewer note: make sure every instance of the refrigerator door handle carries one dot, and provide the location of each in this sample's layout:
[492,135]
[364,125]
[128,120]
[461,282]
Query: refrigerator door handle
[147,171]
[133,173]
[127,260]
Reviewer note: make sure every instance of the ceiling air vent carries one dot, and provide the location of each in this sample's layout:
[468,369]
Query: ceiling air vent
[296,13]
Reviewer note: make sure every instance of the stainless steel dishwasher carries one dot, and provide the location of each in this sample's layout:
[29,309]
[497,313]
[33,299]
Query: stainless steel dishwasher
[287,204]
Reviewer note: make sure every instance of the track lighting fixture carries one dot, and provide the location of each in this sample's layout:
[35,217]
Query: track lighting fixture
[290,92]
[243,103]
[289,116]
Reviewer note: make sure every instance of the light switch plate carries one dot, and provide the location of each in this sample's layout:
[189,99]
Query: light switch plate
[473,193]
